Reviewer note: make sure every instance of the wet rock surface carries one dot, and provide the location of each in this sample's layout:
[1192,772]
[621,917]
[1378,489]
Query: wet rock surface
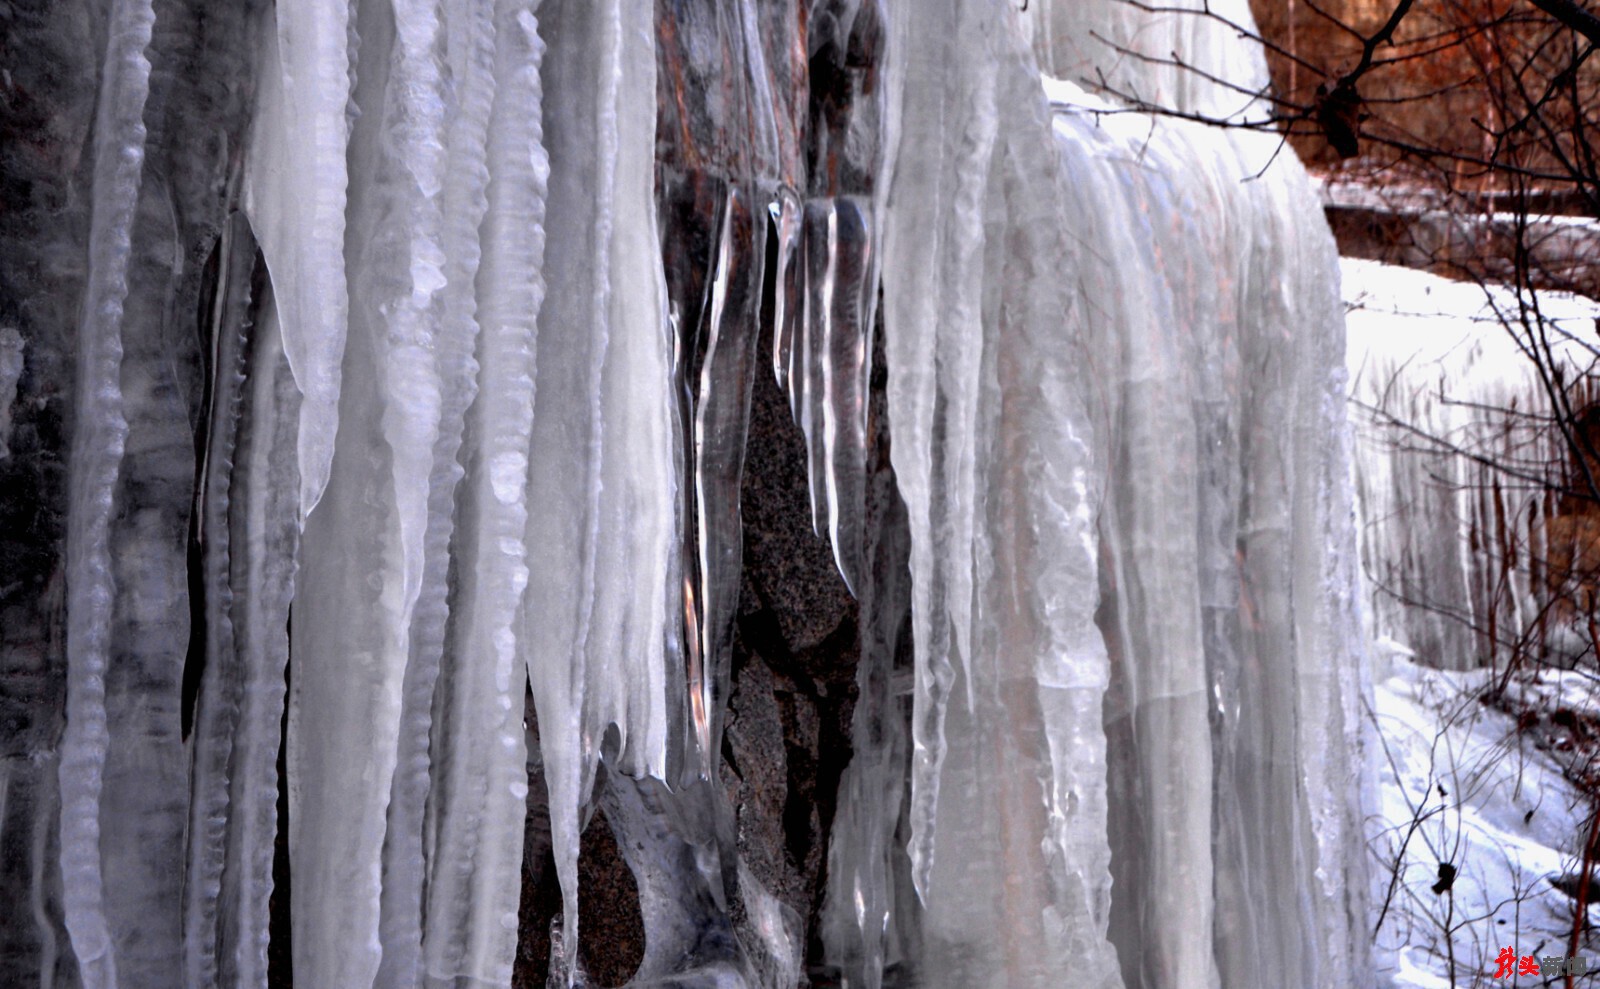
[787,734]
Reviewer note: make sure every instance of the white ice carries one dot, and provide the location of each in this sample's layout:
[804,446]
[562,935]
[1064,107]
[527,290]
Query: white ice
[1139,326]
[1456,442]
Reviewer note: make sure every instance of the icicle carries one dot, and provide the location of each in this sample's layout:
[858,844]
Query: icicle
[479,770]
[97,452]
[721,413]
[721,159]
[934,330]
[995,456]
[218,708]
[786,216]
[601,461]
[563,480]
[868,921]
[630,668]
[264,517]
[363,557]
[467,33]
[296,198]
[827,269]
[840,290]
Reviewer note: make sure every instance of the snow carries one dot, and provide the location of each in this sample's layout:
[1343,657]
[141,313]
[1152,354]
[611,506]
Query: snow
[1395,195]
[1485,797]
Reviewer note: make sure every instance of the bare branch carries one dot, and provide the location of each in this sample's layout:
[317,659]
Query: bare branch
[1369,47]
[1573,16]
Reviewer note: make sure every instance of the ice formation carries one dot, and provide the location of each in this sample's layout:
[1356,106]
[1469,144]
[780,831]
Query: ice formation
[1474,510]
[484,289]
[1201,347]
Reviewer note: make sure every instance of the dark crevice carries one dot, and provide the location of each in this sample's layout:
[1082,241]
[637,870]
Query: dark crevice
[280,955]
[194,662]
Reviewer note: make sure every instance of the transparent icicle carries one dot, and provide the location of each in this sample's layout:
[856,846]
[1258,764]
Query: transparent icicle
[826,289]
[786,213]
[868,921]
[717,430]
[828,382]
[98,445]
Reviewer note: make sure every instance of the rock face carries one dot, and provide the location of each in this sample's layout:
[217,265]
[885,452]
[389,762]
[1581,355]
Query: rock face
[787,739]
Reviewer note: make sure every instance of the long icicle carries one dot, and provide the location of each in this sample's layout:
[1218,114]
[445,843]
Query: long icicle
[96,455]
[364,552]
[476,810]
[466,30]
[263,545]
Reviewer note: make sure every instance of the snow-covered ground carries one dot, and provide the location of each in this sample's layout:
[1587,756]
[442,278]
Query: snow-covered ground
[1462,786]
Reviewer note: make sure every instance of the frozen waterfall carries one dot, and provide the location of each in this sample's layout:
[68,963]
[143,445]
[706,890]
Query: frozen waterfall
[397,397]
[1470,400]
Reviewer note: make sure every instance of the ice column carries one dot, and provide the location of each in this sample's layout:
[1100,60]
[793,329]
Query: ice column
[993,454]
[1227,570]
